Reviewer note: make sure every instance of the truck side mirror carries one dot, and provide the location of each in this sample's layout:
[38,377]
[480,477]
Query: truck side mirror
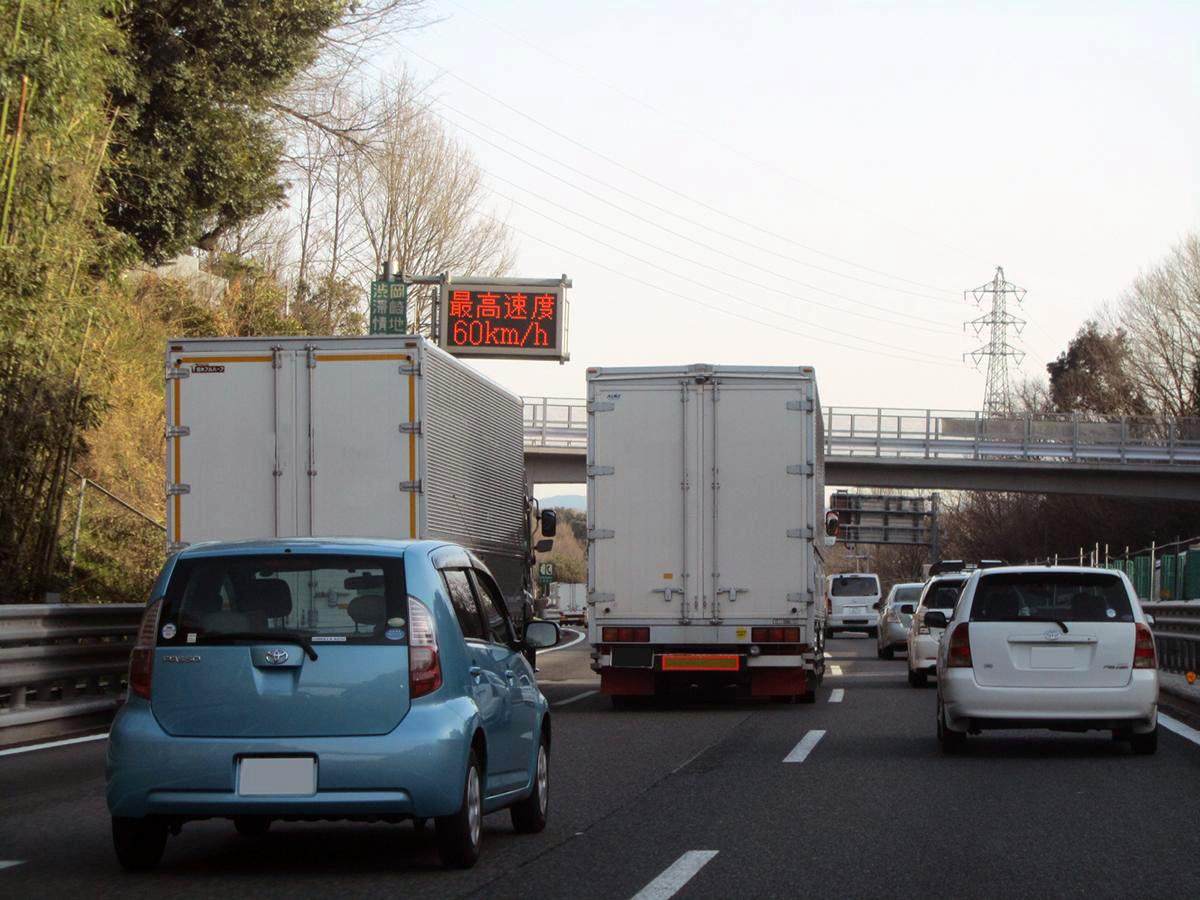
[832,523]
[549,522]
[545,545]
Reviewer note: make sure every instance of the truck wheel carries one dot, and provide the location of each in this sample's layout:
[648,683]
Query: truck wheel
[620,701]
[139,843]
[809,696]
[917,679]
[459,835]
[529,815]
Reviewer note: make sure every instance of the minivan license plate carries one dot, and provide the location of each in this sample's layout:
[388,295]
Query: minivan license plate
[277,776]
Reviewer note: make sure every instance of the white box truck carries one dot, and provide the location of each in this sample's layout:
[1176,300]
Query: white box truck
[381,436]
[571,602]
[706,491]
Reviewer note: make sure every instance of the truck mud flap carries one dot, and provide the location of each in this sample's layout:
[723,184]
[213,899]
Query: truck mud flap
[627,682]
[778,682]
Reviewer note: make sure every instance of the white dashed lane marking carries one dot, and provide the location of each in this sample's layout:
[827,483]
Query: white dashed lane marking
[836,695]
[800,752]
[9,863]
[675,876]
[835,670]
[573,699]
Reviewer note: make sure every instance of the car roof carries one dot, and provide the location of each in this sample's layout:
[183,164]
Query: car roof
[1011,570]
[364,546]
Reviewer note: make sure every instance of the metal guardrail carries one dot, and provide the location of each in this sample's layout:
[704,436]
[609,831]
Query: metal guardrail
[1176,632]
[561,423]
[62,662]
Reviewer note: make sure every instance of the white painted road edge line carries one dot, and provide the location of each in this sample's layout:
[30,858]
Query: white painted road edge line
[676,876]
[576,697]
[836,695]
[9,863]
[30,748]
[835,670]
[1184,731]
[581,634]
[801,750]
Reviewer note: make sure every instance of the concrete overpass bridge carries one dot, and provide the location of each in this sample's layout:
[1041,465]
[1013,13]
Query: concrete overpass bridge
[1118,456]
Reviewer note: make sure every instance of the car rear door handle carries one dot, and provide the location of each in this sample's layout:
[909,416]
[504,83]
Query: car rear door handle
[476,673]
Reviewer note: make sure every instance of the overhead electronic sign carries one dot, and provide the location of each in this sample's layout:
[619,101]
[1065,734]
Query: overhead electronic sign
[504,320]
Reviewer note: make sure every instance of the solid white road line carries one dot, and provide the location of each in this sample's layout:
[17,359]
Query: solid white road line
[576,697]
[9,863]
[835,670]
[828,655]
[839,674]
[1184,731]
[676,876]
[836,695]
[31,747]
[557,647]
[801,750]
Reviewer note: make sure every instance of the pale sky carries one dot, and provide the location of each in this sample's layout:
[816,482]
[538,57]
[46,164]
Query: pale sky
[831,175]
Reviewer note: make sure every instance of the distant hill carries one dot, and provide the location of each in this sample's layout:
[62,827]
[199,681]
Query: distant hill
[570,501]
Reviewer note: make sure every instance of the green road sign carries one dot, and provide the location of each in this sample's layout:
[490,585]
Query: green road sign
[545,572]
[389,307]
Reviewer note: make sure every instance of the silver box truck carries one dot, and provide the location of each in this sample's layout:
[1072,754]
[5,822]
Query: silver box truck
[706,490]
[380,436]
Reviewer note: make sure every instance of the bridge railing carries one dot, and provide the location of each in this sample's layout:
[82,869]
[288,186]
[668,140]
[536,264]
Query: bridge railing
[555,422]
[959,434]
[62,663]
[1176,635]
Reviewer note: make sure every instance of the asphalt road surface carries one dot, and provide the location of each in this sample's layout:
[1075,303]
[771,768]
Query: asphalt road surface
[847,798]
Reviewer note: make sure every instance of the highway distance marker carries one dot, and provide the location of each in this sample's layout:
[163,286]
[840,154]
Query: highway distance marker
[800,752]
[836,695]
[576,697]
[675,876]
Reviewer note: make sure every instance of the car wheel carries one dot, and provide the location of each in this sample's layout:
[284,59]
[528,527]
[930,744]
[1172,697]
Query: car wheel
[139,842]
[952,742]
[1145,744]
[828,633]
[529,815]
[251,826]
[887,653]
[458,836]
[873,632]
[917,679]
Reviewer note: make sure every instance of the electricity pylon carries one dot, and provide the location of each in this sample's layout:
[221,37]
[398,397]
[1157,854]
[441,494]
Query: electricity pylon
[997,396]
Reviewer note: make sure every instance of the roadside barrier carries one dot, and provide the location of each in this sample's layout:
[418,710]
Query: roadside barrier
[1176,632]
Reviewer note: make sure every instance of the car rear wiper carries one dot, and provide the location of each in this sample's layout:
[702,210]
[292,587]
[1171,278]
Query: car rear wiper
[291,637]
[1059,622]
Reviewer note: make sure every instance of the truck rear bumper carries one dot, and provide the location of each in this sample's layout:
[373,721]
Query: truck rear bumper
[766,676]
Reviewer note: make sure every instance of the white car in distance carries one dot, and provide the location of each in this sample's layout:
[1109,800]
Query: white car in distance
[941,593]
[1047,647]
[851,601]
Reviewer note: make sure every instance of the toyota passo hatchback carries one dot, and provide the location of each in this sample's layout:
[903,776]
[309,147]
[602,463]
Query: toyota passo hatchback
[328,679]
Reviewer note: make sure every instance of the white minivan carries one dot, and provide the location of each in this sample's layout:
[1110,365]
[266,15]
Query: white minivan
[851,603]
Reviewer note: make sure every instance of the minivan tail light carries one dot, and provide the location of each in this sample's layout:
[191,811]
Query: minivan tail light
[141,660]
[424,666]
[1144,656]
[958,653]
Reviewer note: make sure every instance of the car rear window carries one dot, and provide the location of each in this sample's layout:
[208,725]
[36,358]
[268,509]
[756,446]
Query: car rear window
[944,594]
[326,598]
[854,586]
[906,595]
[1063,596]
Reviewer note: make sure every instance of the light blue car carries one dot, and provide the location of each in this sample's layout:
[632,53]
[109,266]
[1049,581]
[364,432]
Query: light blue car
[328,679]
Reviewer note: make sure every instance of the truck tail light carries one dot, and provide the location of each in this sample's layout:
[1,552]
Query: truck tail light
[424,667]
[141,660]
[1144,656]
[958,653]
[615,635]
[775,635]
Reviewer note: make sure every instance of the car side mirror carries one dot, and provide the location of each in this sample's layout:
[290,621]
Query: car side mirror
[935,618]
[906,609]
[878,604]
[540,634]
[549,522]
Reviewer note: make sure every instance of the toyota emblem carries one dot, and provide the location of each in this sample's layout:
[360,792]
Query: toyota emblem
[1051,635]
[276,657]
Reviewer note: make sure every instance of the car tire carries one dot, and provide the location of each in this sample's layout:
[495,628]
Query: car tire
[1145,744]
[459,835]
[917,679]
[828,633]
[952,742]
[139,843]
[887,653]
[251,826]
[873,632]
[529,815]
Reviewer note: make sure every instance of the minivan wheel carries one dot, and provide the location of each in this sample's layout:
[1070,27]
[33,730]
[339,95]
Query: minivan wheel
[529,815]
[1145,744]
[917,679]
[458,836]
[139,843]
[251,826]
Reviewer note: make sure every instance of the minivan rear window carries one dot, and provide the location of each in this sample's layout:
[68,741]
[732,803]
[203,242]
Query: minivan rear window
[1060,596]
[906,595]
[855,586]
[324,598]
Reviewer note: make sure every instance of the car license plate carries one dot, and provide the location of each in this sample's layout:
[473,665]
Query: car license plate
[277,776]
[1051,657]
[856,610]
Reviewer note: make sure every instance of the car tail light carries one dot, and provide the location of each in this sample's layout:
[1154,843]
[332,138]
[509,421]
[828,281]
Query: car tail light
[958,653]
[1143,649]
[775,635]
[141,660]
[614,635]
[424,667]
[829,605]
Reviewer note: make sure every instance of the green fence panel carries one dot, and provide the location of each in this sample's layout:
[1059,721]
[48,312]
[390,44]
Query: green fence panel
[1167,588]
[1191,575]
[1141,576]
